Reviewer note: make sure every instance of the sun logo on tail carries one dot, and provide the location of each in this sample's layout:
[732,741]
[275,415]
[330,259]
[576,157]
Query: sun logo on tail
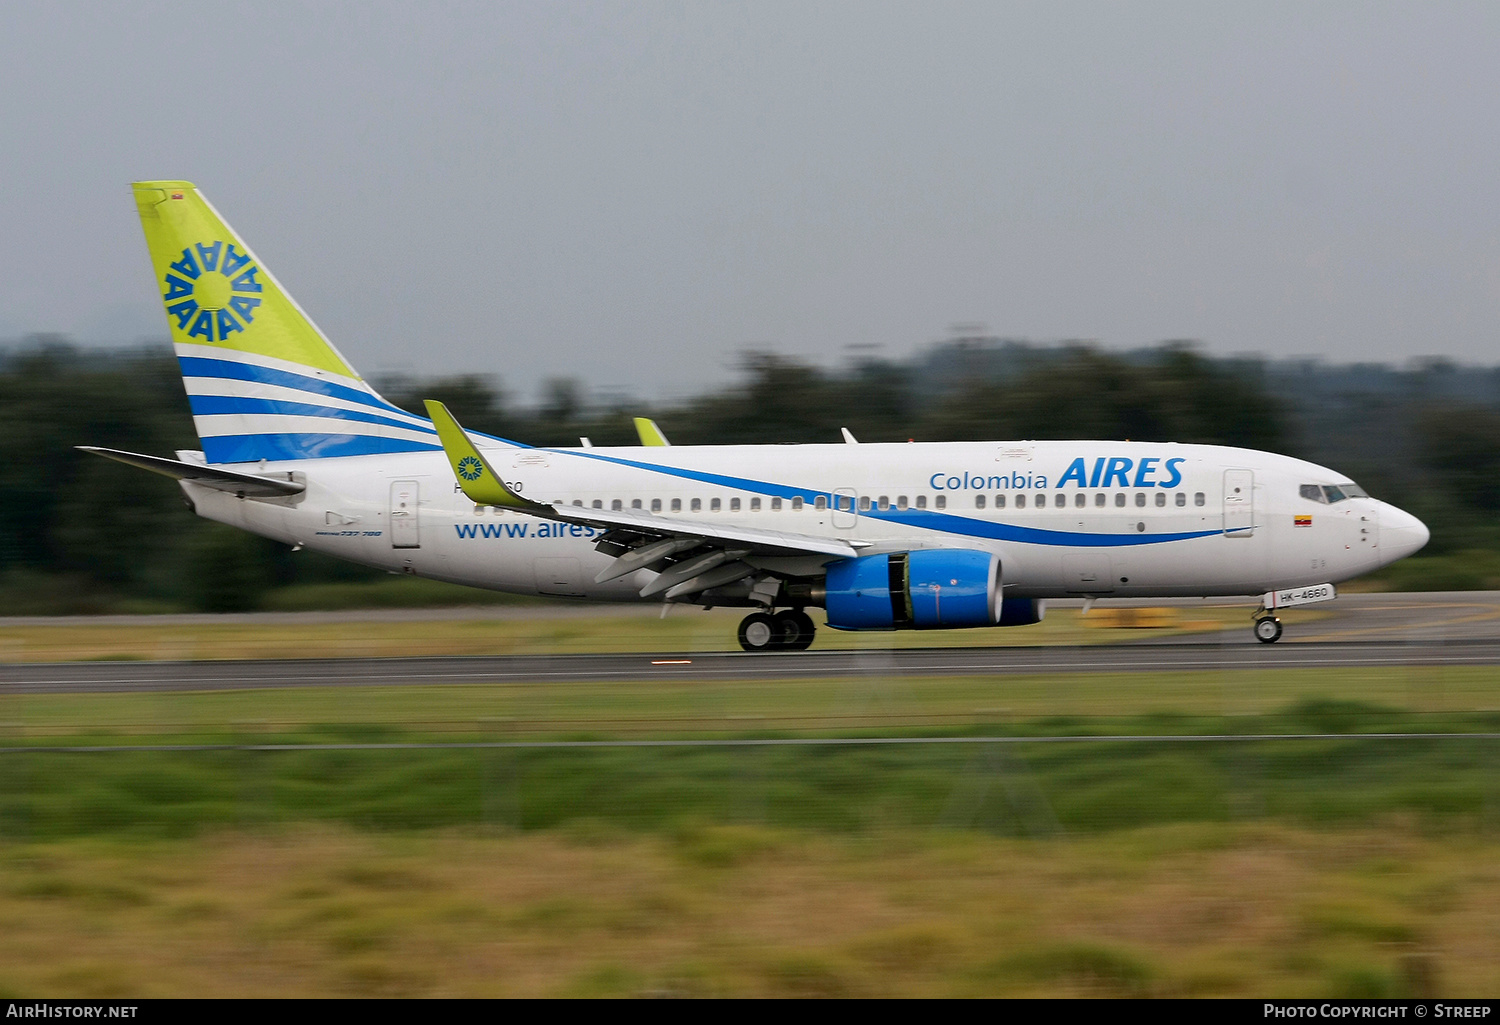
[212,291]
[469,468]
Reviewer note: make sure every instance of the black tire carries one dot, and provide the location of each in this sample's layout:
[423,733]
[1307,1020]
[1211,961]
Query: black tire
[758,632]
[1268,630]
[795,630]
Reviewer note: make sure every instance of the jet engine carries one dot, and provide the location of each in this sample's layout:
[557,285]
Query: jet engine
[927,589]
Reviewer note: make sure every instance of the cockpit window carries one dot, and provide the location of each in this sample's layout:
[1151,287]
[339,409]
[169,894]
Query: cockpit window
[1327,494]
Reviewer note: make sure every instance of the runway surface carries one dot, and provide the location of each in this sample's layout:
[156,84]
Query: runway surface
[1447,629]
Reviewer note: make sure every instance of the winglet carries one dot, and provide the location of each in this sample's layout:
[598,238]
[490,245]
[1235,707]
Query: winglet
[651,435]
[474,474]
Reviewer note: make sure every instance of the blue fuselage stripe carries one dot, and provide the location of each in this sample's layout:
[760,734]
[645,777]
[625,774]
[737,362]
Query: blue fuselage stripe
[922,519]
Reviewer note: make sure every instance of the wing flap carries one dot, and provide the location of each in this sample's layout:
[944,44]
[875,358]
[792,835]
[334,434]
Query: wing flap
[761,542]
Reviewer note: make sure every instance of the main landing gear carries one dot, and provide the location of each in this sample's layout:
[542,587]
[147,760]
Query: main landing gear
[789,630]
[1267,627]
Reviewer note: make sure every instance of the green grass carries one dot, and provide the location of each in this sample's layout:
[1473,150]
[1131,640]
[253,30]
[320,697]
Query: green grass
[661,705]
[1343,866]
[1472,570]
[1025,789]
[391,592]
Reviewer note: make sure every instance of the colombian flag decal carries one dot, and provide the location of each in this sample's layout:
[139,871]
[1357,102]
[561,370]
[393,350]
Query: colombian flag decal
[1302,521]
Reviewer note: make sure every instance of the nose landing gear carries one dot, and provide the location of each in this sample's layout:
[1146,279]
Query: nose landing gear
[788,630]
[1267,628]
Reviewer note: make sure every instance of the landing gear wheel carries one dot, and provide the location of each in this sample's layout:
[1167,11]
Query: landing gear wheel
[758,632]
[1268,630]
[794,630]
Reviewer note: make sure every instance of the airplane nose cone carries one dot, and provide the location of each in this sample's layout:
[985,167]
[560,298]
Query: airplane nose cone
[1401,533]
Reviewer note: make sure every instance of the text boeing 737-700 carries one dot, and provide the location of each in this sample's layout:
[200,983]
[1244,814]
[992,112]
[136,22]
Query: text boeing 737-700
[297,447]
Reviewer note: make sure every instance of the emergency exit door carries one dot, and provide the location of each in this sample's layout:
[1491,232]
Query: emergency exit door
[405,530]
[1239,503]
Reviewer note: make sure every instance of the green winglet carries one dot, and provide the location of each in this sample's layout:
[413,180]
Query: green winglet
[474,474]
[651,435]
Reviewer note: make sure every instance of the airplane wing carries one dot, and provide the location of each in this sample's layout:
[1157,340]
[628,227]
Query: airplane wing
[690,555]
[246,485]
[650,434]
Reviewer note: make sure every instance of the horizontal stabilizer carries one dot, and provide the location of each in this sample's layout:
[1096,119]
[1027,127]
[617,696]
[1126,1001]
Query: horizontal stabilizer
[246,485]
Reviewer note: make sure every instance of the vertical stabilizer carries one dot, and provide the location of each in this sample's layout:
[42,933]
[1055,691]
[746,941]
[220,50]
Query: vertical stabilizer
[263,381]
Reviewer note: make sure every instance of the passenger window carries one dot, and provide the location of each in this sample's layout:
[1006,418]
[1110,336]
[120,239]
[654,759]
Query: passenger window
[820,503]
[900,501]
[755,505]
[656,505]
[1140,499]
[697,505]
[942,501]
[677,505]
[478,510]
[598,504]
[776,505]
[635,503]
[1181,499]
[617,505]
[577,501]
[864,503]
[713,505]
[1161,499]
[797,504]
[1198,498]
[999,501]
[1119,499]
[921,501]
[1020,501]
[1100,499]
[1060,500]
[734,505]
[1080,500]
[884,503]
[979,501]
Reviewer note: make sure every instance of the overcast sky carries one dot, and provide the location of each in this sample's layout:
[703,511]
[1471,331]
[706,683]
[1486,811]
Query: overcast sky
[634,193]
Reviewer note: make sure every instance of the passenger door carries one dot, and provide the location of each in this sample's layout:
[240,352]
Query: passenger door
[1239,503]
[405,528]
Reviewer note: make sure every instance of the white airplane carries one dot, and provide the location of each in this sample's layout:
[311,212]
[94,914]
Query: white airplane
[297,447]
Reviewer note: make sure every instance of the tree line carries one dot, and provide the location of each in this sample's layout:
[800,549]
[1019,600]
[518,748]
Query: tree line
[78,533]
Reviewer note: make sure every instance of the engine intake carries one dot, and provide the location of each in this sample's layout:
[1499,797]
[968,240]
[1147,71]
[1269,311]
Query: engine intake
[927,589]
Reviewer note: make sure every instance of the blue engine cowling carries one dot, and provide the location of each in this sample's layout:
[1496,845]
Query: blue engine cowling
[928,589]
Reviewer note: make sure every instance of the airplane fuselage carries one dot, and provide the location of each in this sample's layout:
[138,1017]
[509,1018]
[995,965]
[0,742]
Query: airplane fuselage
[1101,519]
